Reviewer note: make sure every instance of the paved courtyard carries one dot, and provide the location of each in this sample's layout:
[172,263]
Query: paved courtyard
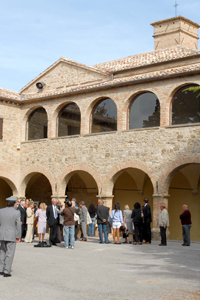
[100,271]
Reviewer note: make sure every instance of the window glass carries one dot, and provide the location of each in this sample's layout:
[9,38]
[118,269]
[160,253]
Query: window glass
[69,120]
[37,124]
[104,116]
[144,111]
[185,107]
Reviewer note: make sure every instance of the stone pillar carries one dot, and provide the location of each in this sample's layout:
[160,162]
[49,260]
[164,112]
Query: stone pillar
[158,199]
[107,200]
[20,197]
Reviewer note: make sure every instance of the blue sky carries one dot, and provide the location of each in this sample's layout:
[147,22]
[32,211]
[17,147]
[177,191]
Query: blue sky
[35,34]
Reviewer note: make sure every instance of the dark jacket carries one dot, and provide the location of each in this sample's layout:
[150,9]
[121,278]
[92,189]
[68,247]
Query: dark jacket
[22,214]
[186,217]
[50,216]
[102,213]
[136,216]
[147,213]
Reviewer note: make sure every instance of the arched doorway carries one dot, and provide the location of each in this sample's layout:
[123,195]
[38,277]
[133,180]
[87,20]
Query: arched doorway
[132,185]
[185,189]
[6,192]
[83,187]
[38,188]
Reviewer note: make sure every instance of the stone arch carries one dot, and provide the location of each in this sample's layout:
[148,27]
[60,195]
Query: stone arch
[29,172]
[25,119]
[183,186]
[110,178]
[7,187]
[64,178]
[172,168]
[131,99]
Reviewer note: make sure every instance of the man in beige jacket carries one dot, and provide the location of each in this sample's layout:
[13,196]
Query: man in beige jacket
[163,222]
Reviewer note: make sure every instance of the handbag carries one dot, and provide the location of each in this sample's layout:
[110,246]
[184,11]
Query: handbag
[89,221]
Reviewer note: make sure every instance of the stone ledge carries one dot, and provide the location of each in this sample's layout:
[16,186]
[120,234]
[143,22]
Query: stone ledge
[142,129]
[66,137]
[35,141]
[100,133]
[183,125]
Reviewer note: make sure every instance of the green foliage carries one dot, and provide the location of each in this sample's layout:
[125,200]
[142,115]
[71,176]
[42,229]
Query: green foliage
[193,89]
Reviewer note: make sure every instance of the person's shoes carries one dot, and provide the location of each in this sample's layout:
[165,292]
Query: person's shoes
[118,243]
[83,240]
[163,245]
[1,273]
[54,244]
[185,245]
[100,242]
[72,247]
[140,243]
[135,243]
[6,275]
[66,247]
[39,245]
[125,242]
[148,243]
[21,241]
[130,242]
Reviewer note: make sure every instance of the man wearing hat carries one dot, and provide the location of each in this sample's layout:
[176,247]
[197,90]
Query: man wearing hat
[10,233]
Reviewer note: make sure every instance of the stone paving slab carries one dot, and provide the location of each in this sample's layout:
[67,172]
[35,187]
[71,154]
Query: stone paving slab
[100,271]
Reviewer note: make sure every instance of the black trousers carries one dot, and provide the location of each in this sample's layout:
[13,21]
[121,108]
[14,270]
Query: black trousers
[53,233]
[138,229]
[163,235]
[147,231]
[23,230]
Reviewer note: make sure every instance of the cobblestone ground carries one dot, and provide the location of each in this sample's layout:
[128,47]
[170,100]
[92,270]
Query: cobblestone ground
[100,271]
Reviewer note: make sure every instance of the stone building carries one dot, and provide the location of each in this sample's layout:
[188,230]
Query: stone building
[121,130]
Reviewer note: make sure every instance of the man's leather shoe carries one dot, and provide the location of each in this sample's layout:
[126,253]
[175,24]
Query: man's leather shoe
[163,245]
[1,273]
[7,275]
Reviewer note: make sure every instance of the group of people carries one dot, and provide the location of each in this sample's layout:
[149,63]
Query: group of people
[17,222]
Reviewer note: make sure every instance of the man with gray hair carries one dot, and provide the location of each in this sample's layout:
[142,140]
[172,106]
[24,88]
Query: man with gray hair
[83,220]
[186,225]
[163,222]
[53,219]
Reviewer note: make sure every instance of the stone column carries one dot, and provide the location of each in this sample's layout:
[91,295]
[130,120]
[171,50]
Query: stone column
[158,199]
[20,197]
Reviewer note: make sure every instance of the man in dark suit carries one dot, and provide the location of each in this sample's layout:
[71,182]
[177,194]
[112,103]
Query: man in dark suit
[147,221]
[102,218]
[22,208]
[10,233]
[53,219]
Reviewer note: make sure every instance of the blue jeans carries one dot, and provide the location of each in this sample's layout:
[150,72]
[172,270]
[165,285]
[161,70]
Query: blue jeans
[91,227]
[103,229]
[69,233]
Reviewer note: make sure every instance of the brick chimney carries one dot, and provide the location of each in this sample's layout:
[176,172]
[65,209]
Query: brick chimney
[175,31]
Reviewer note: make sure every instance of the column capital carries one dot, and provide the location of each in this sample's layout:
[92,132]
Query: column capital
[105,197]
[159,196]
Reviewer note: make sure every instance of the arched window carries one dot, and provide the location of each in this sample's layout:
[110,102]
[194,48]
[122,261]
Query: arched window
[37,124]
[144,111]
[104,116]
[185,106]
[69,120]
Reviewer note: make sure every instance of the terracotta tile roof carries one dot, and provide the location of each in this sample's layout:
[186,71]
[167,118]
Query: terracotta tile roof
[145,59]
[4,93]
[145,76]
